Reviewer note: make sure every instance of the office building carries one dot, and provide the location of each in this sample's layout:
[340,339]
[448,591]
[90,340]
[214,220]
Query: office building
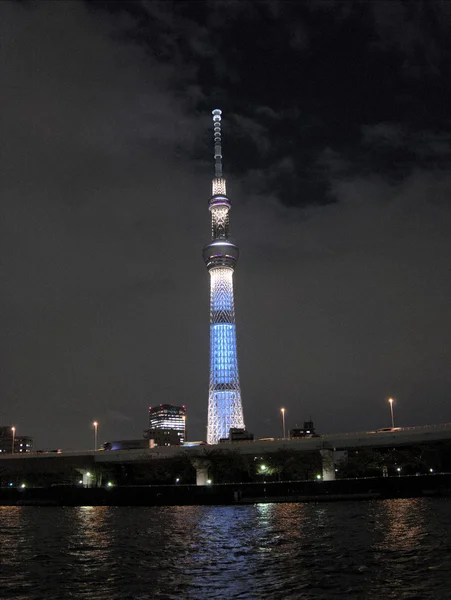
[170,419]
[11,443]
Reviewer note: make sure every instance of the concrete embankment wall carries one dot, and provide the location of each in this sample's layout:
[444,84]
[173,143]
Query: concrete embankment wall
[290,491]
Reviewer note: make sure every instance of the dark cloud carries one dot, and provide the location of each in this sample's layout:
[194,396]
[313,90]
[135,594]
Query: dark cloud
[332,69]
[337,159]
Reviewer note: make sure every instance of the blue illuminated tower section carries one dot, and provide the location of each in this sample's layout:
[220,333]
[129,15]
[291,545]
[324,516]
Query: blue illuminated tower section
[225,410]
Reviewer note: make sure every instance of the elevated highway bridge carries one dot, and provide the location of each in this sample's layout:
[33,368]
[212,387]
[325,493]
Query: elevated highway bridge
[87,461]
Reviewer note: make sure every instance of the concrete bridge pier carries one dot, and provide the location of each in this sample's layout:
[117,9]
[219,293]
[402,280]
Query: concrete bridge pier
[201,465]
[89,478]
[328,464]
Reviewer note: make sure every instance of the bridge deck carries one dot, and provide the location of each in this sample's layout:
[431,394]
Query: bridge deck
[404,436]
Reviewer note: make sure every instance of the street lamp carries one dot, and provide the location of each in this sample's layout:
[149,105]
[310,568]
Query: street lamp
[95,434]
[13,429]
[282,410]
[390,401]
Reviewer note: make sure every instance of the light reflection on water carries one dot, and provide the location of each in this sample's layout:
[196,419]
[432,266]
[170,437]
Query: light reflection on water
[394,549]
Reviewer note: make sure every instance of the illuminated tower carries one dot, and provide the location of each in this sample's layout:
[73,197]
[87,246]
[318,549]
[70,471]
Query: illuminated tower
[225,410]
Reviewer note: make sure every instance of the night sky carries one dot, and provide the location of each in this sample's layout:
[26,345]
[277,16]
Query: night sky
[337,148]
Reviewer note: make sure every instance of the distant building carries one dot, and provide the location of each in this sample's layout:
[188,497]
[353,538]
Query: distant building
[22,443]
[240,435]
[237,434]
[307,431]
[163,437]
[167,425]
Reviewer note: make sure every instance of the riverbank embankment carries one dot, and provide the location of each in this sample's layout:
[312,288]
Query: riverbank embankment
[233,493]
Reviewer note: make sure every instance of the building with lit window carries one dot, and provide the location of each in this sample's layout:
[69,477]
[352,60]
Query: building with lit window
[167,424]
[307,431]
[11,443]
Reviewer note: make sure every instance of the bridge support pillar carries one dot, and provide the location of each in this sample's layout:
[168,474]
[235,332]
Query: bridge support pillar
[328,464]
[88,478]
[201,465]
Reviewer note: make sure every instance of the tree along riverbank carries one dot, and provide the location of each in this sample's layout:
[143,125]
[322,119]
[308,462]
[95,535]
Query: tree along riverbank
[233,493]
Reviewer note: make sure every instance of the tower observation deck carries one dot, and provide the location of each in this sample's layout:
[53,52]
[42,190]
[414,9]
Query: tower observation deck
[225,410]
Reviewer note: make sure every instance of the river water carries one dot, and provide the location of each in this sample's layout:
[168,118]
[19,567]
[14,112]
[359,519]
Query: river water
[391,549]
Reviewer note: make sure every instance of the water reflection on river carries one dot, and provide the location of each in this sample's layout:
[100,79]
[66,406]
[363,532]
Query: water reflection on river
[393,549]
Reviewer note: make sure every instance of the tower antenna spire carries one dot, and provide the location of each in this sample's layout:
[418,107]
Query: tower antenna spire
[217,141]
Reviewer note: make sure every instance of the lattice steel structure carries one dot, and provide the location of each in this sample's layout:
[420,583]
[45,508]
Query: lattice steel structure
[225,410]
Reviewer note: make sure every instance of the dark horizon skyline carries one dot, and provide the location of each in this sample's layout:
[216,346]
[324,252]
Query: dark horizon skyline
[337,146]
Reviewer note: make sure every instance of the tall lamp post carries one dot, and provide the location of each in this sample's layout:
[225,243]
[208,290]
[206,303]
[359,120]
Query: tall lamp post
[390,401]
[13,429]
[282,410]
[95,434]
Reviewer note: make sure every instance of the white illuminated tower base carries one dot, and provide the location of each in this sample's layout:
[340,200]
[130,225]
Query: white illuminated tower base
[225,410]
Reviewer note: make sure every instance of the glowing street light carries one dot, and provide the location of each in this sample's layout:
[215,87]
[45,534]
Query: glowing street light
[95,434]
[390,401]
[282,410]
[13,429]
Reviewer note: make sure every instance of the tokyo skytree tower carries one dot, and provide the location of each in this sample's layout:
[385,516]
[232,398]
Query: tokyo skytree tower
[220,255]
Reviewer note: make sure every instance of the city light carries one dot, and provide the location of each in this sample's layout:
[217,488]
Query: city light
[284,433]
[390,401]
[95,434]
[13,429]
[318,477]
[208,481]
[22,485]
[109,484]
